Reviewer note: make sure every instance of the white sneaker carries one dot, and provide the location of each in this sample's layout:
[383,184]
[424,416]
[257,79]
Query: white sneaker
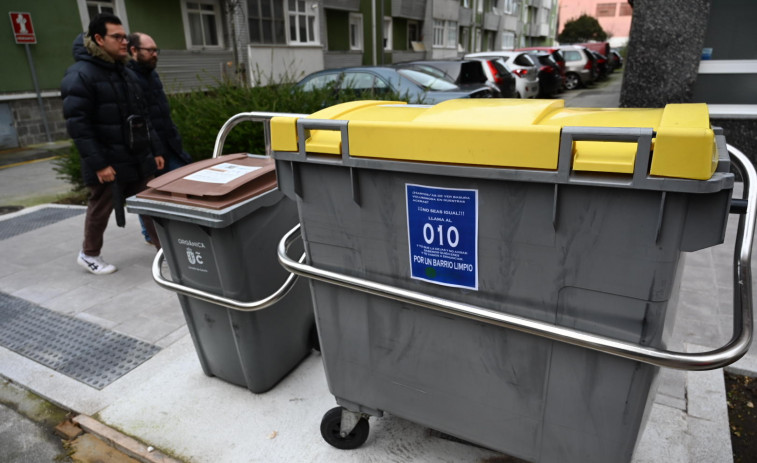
[95,265]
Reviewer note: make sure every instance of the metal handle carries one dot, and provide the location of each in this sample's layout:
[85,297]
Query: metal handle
[279,294]
[257,116]
[725,355]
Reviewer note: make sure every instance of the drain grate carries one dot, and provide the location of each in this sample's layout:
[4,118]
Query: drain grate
[82,350]
[37,219]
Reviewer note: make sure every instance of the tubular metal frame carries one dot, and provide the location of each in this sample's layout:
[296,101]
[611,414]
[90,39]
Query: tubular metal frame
[242,306]
[717,358]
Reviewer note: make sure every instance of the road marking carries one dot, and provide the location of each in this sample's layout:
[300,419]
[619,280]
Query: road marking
[28,162]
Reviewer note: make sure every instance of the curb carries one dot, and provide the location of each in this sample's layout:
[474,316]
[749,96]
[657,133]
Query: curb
[32,153]
[122,442]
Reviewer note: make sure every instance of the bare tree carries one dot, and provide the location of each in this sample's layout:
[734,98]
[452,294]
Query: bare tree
[232,7]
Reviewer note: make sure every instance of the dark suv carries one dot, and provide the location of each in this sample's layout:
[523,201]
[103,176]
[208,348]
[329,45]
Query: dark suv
[550,79]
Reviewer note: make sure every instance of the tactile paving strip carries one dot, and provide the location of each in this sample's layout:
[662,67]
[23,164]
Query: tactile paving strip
[82,350]
[37,219]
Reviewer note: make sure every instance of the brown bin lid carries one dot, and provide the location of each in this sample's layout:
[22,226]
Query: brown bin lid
[214,183]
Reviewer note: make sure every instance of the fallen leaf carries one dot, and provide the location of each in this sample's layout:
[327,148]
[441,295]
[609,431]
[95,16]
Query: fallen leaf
[750,404]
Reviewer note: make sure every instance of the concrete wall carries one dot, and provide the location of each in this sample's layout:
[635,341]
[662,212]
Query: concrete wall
[284,63]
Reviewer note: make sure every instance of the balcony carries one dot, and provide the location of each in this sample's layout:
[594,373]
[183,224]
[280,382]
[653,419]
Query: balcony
[509,23]
[537,30]
[465,16]
[346,5]
[491,21]
[445,9]
[411,9]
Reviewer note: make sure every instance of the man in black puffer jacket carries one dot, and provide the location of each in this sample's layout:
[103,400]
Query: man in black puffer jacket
[144,53]
[100,98]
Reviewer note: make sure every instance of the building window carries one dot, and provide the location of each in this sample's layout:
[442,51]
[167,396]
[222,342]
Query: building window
[203,23]
[625,10]
[266,21]
[387,33]
[508,40]
[606,9]
[465,39]
[451,27]
[438,33]
[302,22]
[413,33]
[478,40]
[507,6]
[445,34]
[465,3]
[96,7]
[269,20]
[489,37]
[356,31]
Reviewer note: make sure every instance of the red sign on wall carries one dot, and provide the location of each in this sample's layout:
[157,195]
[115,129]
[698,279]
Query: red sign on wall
[23,31]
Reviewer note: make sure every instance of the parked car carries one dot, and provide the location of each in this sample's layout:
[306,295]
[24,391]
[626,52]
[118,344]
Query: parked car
[603,48]
[554,51]
[550,79]
[415,85]
[616,59]
[521,65]
[580,69]
[495,71]
[466,74]
[603,69]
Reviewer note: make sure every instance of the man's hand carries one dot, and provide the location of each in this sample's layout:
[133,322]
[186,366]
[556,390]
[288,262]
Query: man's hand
[160,162]
[106,175]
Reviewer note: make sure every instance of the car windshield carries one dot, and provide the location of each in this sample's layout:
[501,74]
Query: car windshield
[427,81]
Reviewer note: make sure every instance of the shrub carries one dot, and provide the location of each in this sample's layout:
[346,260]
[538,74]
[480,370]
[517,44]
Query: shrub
[199,115]
[68,167]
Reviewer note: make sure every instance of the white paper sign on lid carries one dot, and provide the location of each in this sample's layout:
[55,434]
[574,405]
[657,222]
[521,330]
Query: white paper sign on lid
[221,173]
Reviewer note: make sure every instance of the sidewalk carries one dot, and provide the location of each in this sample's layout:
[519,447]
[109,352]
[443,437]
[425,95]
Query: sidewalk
[167,402]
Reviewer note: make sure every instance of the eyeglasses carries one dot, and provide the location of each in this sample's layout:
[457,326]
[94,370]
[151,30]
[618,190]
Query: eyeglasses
[150,50]
[118,37]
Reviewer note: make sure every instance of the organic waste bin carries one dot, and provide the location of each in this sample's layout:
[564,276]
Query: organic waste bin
[219,222]
[504,271]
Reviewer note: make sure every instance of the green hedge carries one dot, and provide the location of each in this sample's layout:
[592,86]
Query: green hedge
[200,115]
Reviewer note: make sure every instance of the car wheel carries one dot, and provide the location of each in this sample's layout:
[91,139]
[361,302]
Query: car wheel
[517,95]
[572,81]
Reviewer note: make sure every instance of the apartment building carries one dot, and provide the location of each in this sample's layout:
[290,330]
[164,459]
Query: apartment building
[254,41]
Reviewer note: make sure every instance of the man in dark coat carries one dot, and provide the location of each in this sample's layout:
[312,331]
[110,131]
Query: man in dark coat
[107,119]
[144,53]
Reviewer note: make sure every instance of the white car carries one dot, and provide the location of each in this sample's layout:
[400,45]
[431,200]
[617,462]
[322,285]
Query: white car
[524,69]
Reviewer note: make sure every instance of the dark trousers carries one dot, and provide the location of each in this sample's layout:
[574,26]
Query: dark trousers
[99,207]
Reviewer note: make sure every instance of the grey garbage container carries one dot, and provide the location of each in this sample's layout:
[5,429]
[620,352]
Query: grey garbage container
[219,222]
[528,211]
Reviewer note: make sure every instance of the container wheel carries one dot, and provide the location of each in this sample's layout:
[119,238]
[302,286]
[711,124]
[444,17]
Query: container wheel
[330,427]
[315,341]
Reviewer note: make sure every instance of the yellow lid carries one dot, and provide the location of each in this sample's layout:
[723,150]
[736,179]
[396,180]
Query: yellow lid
[511,133]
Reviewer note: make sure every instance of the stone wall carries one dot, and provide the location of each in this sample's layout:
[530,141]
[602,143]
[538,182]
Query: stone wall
[29,124]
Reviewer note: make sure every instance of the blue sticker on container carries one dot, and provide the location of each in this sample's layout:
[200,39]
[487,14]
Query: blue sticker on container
[442,229]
